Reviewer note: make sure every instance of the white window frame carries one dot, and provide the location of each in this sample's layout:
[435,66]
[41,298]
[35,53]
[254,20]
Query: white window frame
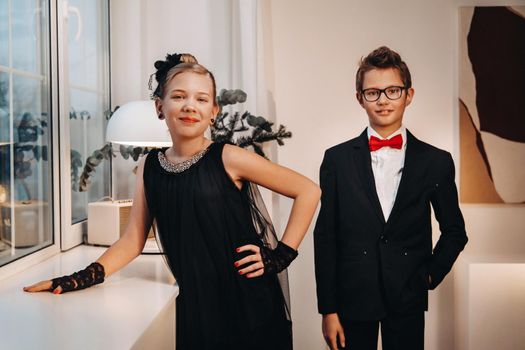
[65,235]
[24,262]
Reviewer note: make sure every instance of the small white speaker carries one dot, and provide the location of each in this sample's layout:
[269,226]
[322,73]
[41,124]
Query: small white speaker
[107,221]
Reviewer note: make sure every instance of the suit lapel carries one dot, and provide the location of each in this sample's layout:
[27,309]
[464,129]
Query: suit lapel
[363,164]
[410,171]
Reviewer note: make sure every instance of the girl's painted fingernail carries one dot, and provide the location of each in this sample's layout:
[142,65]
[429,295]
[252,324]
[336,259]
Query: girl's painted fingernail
[56,291]
[236,264]
[240,272]
[238,250]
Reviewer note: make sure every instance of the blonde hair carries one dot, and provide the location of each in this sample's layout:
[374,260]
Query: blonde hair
[186,63]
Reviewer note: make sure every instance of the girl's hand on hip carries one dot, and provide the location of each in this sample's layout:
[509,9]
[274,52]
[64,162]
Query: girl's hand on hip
[255,267]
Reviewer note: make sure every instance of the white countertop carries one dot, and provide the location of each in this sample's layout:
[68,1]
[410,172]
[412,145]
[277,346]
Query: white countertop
[112,315]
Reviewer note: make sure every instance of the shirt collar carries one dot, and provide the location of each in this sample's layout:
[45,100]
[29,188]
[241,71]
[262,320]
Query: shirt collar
[402,130]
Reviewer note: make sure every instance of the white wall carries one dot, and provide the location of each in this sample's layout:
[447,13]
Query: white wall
[316,47]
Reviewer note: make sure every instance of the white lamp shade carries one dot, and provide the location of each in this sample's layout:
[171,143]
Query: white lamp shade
[136,123]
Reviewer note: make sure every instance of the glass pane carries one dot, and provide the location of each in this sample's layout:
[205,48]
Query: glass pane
[87,32]
[5,161]
[4,108]
[29,33]
[25,148]
[5,212]
[87,125]
[4,32]
[88,49]
[27,209]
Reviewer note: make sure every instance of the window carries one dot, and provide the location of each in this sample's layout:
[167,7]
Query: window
[88,96]
[26,197]
[39,38]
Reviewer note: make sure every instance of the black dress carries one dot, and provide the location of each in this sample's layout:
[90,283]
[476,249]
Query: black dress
[201,217]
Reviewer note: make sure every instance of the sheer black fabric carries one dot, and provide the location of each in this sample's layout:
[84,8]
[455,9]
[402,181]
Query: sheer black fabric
[91,275]
[201,218]
[266,231]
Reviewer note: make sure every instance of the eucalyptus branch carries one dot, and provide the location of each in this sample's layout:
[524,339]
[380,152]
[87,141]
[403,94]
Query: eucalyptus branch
[106,152]
[253,130]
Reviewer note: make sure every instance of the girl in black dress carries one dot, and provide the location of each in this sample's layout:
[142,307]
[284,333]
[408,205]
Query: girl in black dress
[215,234]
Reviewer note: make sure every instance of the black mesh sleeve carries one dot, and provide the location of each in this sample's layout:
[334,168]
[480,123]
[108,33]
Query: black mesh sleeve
[278,259]
[91,275]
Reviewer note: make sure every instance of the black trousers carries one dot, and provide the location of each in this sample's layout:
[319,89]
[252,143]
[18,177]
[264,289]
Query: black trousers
[398,332]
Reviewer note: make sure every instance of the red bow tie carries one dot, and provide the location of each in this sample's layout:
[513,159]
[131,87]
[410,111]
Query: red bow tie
[376,143]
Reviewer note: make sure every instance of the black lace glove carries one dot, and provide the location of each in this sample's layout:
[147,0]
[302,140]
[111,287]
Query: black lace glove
[91,275]
[278,259]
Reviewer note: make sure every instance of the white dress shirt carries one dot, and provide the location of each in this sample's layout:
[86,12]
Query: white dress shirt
[387,166]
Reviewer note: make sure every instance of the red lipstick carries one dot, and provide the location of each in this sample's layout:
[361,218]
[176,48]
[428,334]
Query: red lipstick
[189,120]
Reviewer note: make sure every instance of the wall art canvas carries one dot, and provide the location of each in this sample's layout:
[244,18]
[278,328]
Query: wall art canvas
[492,104]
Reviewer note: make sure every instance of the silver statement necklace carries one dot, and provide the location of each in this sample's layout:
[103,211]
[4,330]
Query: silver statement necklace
[182,166]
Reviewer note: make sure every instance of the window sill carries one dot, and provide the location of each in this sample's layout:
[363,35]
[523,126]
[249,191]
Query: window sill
[132,307]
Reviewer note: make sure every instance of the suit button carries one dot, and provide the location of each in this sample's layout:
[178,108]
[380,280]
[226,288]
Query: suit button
[364,252]
[382,237]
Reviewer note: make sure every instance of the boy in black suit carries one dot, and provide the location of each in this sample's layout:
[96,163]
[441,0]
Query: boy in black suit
[374,261]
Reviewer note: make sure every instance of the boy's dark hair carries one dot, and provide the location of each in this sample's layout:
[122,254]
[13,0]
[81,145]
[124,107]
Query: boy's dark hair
[382,57]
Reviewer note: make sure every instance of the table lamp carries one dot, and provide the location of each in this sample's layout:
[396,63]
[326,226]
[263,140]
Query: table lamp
[136,124]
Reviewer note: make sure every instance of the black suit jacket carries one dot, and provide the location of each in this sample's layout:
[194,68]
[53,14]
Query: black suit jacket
[366,267]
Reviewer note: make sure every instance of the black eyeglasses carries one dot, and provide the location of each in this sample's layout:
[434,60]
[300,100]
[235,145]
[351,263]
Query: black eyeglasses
[391,92]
